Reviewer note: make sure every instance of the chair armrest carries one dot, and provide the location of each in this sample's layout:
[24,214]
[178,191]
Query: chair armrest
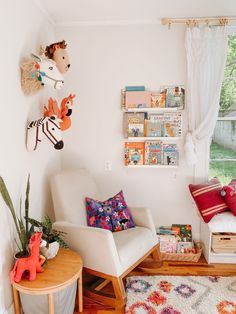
[142,217]
[95,245]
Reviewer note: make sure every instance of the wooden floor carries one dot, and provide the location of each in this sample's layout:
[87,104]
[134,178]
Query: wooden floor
[148,267]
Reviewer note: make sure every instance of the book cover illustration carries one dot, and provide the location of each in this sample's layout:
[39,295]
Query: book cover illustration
[134,124]
[168,243]
[134,153]
[153,153]
[185,247]
[172,124]
[137,99]
[154,125]
[184,231]
[175,96]
[158,100]
[170,155]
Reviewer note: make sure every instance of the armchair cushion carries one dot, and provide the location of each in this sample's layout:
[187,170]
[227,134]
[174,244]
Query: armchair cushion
[112,214]
[132,244]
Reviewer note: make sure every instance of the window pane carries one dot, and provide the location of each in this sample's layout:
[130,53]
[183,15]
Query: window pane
[223,146]
[224,170]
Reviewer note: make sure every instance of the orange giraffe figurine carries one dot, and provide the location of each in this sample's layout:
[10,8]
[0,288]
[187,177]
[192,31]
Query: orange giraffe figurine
[31,263]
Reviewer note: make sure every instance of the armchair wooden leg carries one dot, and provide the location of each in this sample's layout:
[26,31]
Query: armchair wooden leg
[119,291]
[156,255]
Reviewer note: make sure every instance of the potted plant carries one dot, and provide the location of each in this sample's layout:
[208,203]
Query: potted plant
[52,237]
[22,225]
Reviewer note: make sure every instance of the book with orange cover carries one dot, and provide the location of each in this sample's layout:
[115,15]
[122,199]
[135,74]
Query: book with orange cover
[158,100]
[134,153]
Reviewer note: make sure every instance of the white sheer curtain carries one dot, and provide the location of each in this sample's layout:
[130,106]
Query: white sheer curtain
[206,50]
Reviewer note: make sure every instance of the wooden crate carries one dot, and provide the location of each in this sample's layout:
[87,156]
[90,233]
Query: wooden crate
[224,243]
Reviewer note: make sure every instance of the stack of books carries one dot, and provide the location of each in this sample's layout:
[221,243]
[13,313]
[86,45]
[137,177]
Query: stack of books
[151,153]
[176,239]
[167,97]
[143,124]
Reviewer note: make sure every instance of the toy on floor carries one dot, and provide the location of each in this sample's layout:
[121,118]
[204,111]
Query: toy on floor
[38,71]
[57,52]
[31,264]
[63,113]
[49,128]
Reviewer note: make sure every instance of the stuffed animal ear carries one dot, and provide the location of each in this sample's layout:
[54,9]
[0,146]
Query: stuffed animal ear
[36,57]
[42,51]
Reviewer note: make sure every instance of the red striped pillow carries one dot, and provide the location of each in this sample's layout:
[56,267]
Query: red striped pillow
[208,198]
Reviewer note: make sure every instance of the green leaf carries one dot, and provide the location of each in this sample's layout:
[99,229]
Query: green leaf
[7,199]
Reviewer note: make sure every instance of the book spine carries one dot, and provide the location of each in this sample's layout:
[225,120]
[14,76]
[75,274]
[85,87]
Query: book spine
[134,88]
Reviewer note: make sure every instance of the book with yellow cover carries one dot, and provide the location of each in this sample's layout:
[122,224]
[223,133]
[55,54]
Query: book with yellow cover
[134,153]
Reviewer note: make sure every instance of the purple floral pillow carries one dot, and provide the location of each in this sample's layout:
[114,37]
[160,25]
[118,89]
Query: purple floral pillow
[99,213]
[121,216]
[112,214]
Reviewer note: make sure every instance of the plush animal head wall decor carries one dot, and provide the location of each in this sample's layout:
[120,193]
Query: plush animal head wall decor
[63,113]
[36,72]
[58,53]
[44,128]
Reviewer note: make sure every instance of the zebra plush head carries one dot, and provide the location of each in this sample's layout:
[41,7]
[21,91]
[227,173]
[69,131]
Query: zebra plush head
[44,128]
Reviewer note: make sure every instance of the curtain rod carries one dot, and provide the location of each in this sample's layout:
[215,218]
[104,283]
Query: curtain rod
[220,20]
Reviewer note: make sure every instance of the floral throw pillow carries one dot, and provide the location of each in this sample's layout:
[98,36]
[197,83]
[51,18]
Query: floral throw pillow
[112,214]
[121,216]
[99,213]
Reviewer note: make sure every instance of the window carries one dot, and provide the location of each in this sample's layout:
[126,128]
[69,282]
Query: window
[223,145]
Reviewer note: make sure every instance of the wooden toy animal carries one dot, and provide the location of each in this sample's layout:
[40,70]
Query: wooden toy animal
[31,264]
[38,71]
[58,53]
[49,128]
[63,113]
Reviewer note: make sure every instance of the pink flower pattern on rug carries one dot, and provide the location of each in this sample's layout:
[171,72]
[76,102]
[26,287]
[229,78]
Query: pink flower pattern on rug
[181,295]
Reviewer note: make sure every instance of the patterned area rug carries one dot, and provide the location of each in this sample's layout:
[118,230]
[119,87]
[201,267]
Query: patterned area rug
[181,295]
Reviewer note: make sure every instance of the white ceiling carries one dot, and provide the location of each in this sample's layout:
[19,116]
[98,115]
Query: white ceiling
[76,11]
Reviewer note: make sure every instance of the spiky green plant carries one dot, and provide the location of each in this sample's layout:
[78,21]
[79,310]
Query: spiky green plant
[49,234]
[22,226]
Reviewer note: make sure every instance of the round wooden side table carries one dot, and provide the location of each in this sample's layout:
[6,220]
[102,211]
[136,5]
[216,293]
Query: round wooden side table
[61,271]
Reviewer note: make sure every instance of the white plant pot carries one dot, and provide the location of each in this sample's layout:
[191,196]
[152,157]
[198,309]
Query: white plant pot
[51,251]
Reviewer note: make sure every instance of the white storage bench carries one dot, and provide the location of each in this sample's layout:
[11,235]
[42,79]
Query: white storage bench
[221,223]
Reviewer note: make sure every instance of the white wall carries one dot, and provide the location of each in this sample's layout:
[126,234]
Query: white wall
[103,60]
[23,29]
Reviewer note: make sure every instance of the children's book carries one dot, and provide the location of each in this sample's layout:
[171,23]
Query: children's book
[184,231]
[134,88]
[168,243]
[172,124]
[137,99]
[170,154]
[154,125]
[153,152]
[158,100]
[175,96]
[185,247]
[134,153]
[134,124]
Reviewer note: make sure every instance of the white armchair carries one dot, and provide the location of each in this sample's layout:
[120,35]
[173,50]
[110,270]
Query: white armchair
[108,255]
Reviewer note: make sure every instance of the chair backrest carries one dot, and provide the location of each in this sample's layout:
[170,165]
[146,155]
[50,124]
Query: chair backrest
[69,189]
